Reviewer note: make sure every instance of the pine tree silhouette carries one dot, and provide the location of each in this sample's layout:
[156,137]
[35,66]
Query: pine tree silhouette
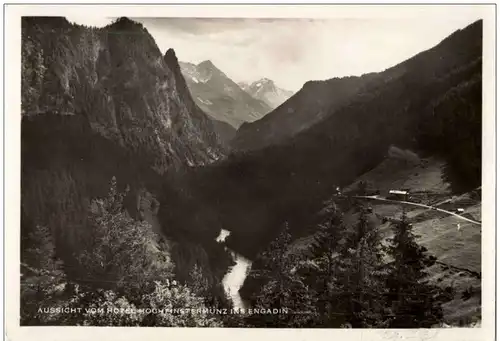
[415,302]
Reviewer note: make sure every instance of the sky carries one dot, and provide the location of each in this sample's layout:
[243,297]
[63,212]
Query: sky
[293,51]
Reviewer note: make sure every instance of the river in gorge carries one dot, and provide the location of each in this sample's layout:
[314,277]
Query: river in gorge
[234,278]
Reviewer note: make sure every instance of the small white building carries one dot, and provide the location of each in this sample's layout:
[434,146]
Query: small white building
[398,192]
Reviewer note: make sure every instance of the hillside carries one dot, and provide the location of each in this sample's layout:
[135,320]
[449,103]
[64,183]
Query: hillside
[225,132]
[220,97]
[454,242]
[254,192]
[308,106]
[266,90]
[320,100]
[458,250]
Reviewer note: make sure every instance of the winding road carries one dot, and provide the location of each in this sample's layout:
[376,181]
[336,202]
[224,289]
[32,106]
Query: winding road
[419,205]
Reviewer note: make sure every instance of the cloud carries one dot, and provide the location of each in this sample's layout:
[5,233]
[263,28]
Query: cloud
[195,26]
[293,51]
[96,21]
[205,26]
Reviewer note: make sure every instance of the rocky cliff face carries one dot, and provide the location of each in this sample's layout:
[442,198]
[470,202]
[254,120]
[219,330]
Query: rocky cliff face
[98,103]
[118,79]
[223,131]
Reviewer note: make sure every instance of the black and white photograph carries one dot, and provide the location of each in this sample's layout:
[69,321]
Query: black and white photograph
[320,172]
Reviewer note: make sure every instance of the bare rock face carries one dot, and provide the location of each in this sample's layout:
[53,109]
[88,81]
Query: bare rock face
[118,79]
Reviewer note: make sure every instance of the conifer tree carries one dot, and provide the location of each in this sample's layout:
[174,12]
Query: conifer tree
[352,281]
[285,287]
[415,302]
[199,284]
[121,268]
[43,277]
[368,284]
[324,251]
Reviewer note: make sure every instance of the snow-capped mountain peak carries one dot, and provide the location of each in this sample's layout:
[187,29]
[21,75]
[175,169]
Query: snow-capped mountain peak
[219,96]
[266,90]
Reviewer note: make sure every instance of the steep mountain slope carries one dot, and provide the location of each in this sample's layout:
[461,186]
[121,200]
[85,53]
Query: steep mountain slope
[224,131]
[265,90]
[98,103]
[253,193]
[309,105]
[220,97]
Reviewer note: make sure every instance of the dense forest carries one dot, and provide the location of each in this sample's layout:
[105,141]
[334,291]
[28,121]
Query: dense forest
[119,266]
[344,280]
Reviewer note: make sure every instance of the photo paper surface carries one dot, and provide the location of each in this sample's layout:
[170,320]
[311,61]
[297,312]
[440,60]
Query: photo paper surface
[327,169]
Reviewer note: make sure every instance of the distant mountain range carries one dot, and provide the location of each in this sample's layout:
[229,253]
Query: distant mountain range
[220,97]
[228,103]
[266,90]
